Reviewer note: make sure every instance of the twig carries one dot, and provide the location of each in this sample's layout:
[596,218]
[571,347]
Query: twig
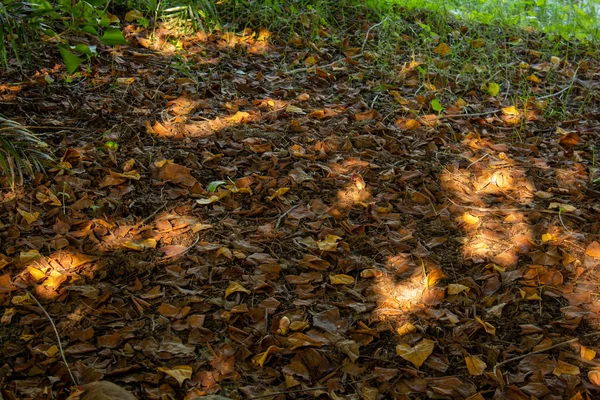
[468,115]
[185,250]
[531,353]
[60,348]
[482,209]
[284,214]
[362,49]
[149,217]
[294,71]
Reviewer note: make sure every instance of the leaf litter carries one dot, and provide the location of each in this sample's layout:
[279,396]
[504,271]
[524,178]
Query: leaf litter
[268,231]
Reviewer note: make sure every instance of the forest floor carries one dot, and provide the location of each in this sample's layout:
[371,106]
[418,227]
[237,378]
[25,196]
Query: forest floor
[265,218]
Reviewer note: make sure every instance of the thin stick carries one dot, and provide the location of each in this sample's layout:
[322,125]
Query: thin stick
[362,49]
[149,217]
[531,353]
[284,214]
[482,209]
[294,71]
[62,354]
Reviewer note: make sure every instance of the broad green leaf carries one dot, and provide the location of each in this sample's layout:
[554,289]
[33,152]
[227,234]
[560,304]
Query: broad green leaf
[72,62]
[113,36]
[214,185]
[493,89]
[436,105]
[82,48]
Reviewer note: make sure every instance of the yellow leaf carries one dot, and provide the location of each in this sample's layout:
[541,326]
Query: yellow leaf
[563,368]
[28,255]
[511,110]
[235,287]
[52,351]
[475,365]
[260,358]
[418,354]
[278,193]
[21,300]
[406,329]
[36,274]
[442,49]
[329,243]
[294,110]
[534,79]
[433,277]
[493,89]
[341,279]
[140,245]
[371,273]
[470,219]
[489,328]
[455,288]
[412,124]
[310,61]
[133,15]
[547,237]
[125,81]
[529,294]
[29,217]
[396,95]
[180,372]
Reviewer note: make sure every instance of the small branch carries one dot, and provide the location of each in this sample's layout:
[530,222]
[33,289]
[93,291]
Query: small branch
[284,214]
[362,49]
[531,353]
[60,348]
[149,217]
[295,71]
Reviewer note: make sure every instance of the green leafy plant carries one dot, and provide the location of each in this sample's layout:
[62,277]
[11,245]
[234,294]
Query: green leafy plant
[22,152]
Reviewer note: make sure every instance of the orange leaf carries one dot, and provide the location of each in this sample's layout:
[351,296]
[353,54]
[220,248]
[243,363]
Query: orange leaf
[593,250]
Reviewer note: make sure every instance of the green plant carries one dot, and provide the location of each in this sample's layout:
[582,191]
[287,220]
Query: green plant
[21,151]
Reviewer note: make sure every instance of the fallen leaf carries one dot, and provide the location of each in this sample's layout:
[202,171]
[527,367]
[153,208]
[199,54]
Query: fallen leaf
[341,279]
[235,287]
[418,354]
[475,365]
[593,250]
[180,373]
[563,368]
[261,358]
